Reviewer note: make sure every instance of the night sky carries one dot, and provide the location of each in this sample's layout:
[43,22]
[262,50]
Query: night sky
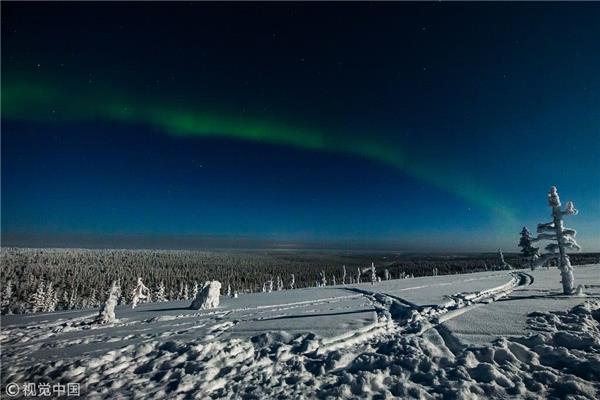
[408,126]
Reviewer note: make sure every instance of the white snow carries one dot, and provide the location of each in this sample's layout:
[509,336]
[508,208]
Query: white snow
[484,335]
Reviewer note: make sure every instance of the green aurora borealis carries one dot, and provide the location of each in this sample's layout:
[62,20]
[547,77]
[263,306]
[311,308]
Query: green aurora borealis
[52,104]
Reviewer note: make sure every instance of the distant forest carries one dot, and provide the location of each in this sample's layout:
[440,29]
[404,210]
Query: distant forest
[42,280]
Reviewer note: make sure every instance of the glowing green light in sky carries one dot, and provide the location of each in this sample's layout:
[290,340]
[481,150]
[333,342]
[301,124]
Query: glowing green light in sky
[48,103]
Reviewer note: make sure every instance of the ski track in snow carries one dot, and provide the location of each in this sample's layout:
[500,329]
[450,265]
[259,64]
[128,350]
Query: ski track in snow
[405,352]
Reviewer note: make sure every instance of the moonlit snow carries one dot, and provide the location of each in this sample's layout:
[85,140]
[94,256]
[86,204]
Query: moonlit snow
[496,334]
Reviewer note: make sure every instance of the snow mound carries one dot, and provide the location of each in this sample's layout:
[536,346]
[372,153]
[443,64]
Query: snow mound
[208,297]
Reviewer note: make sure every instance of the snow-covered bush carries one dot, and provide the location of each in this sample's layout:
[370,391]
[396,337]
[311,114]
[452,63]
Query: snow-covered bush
[208,297]
[563,239]
[107,311]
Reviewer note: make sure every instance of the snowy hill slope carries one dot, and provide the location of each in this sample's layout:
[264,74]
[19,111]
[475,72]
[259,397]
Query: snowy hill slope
[431,337]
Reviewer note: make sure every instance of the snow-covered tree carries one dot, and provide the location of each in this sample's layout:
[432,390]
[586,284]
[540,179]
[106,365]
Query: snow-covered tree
[270,288]
[107,311]
[186,292]
[386,274]
[140,292]
[343,275]
[38,299]
[208,297]
[51,299]
[373,274]
[64,300]
[563,240]
[264,288]
[293,282]
[73,299]
[7,295]
[92,301]
[530,253]
[333,280]
[279,284]
[195,290]
[358,275]
[228,290]
[180,294]
[160,292]
[323,279]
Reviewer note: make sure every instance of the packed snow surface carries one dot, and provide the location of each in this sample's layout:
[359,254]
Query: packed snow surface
[485,335]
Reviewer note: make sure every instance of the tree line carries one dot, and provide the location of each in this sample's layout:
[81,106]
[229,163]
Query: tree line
[43,280]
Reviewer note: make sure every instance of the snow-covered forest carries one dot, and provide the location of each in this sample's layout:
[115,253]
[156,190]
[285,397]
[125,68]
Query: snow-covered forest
[43,280]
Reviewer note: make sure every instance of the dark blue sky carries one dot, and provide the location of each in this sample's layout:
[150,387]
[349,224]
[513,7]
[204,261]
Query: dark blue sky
[422,126]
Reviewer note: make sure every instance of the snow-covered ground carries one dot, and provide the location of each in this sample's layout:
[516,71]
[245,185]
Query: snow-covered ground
[491,334]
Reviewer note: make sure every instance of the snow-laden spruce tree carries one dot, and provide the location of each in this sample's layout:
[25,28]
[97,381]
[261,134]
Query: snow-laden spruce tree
[107,311]
[333,280]
[323,279]
[264,288]
[563,239]
[530,253]
[358,275]
[386,274]
[293,282]
[279,284]
[37,301]
[208,297]
[51,300]
[7,295]
[343,275]
[93,301]
[270,289]
[195,290]
[160,292]
[73,299]
[140,292]
[180,294]
[373,274]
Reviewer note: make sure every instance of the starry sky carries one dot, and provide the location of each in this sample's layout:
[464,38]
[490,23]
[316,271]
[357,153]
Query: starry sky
[406,126]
